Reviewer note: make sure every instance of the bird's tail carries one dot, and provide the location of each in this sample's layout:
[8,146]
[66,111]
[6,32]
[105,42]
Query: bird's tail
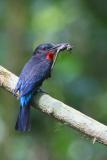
[23,120]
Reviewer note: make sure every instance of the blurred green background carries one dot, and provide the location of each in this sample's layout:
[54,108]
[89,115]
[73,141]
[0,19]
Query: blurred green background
[79,79]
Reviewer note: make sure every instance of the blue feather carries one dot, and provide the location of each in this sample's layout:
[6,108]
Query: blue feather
[24,100]
[23,120]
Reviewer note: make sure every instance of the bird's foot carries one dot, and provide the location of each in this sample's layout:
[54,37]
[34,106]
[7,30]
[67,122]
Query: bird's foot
[42,91]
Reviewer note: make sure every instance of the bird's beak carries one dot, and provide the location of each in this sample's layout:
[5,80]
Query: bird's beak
[62,46]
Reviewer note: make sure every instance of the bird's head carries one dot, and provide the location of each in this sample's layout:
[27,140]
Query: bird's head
[48,50]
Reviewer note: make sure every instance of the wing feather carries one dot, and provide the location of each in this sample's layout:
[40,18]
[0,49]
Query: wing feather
[33,77]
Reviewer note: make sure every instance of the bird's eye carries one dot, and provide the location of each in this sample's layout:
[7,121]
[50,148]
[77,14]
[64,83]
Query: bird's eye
[44,49]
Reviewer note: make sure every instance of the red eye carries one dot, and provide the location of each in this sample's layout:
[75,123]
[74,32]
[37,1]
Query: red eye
[43,49]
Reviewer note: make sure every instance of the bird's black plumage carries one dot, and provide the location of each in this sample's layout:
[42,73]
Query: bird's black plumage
[36,70]
[31,78]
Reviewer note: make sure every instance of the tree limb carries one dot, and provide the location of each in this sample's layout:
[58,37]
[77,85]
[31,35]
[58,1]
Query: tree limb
[59,110]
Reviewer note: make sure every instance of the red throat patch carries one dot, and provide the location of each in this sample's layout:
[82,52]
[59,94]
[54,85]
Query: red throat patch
[50,56]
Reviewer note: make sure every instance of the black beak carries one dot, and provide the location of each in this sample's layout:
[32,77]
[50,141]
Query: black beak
[62,46]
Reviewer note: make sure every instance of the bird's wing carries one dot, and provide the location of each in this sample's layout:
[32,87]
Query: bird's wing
[33,79]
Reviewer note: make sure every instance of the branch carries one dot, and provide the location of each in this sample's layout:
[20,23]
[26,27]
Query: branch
[59,110]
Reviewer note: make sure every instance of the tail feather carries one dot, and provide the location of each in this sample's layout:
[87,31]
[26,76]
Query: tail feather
[23,120]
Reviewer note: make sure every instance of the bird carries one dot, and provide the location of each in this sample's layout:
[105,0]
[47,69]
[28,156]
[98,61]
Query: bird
[36,70]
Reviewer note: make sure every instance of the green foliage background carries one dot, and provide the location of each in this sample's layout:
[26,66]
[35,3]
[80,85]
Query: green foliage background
[79,80]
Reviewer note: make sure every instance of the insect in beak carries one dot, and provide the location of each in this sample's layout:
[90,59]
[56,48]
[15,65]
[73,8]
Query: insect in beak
[60,47]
